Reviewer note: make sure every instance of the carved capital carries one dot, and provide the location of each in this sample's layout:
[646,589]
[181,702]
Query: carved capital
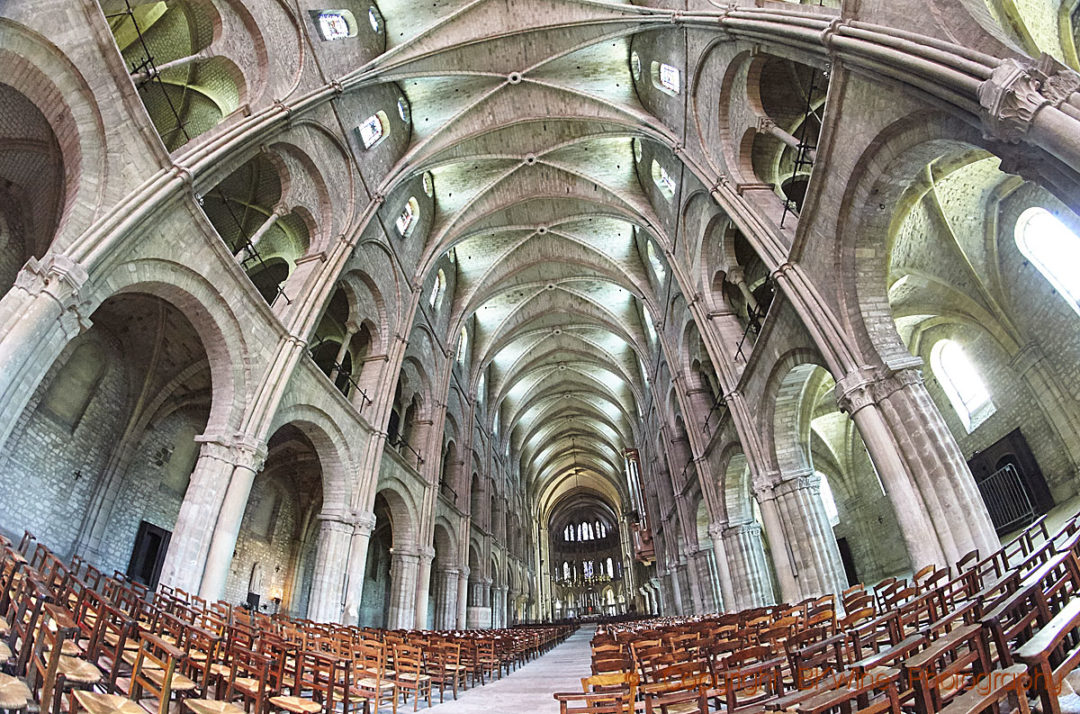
[335,522]
[803,480]
[765,125]
[1010,99]
[855,391]
[238,450]
[750,528]
[717,528]
[363,523]
[1058,82]
[65,281]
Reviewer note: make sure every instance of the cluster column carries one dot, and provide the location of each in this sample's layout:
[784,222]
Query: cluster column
[404,567]
[723,567]
[328,580]
[363,527]
[752,580]
[446,595]
[817,559]
[924,473]
[463,597]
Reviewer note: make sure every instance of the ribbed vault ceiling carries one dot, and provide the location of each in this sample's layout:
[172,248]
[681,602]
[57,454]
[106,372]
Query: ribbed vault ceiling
[525,114]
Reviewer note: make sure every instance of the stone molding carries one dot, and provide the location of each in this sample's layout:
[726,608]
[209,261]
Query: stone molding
[1017,90]
[864,387]
[66,282]
[237,450]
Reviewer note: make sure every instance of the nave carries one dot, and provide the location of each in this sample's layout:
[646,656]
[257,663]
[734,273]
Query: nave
[993,634]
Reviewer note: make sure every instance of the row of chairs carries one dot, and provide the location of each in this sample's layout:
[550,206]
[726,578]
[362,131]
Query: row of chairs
[73,638]
[988,633]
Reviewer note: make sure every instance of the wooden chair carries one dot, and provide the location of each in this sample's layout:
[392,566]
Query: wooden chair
[445,667]
[594,703]
[370,679]
[960,656]
[620,684]
[865,696]
[318,686]
[155,668]
[409,675]
[44,676]
[247,680]
[1051,654]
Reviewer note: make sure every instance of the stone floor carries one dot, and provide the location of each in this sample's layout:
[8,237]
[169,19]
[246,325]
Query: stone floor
[528,689]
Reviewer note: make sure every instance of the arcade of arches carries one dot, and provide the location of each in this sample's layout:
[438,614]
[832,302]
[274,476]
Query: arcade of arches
[464,314]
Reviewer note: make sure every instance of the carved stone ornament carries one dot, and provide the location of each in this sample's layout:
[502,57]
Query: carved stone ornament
[64,280]
[1058,81]
[1010,98]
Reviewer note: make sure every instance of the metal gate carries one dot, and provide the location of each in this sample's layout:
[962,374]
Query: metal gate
[1006,498]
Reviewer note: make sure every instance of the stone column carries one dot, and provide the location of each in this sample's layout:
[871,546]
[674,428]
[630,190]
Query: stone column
[783,559]
[423,583]
[676,590]
[403,572]
[737,277]
[462,598]
[446,597]
[351,328]
[723,567]
[42,312]
[363,526]
[190,542]
[249,457]
[752,579]
[954,507]
[703,567]
[478,615]
[820,570]
[695,586]
[331,566]
[768,126]
[245,253]
[853,396]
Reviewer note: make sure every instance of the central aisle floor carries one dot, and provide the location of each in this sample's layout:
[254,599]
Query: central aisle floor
[528,689]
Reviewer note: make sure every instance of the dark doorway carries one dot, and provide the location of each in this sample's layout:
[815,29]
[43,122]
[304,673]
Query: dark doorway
[148,555]
[998,463]
[848,561]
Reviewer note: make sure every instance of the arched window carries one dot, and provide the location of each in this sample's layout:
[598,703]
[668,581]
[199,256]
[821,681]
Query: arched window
[663,180]
[1053,249]
[480,388]
[566,570]
[336,24]
[463,345]
[635,66]
[429,188]
[437,290]
[403,109]
[961,384]
[374,129]
[636,145]
[666,78]
[649,328]
[828,501]
[407,220]
[374,19]
[654,260]
[610,568]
